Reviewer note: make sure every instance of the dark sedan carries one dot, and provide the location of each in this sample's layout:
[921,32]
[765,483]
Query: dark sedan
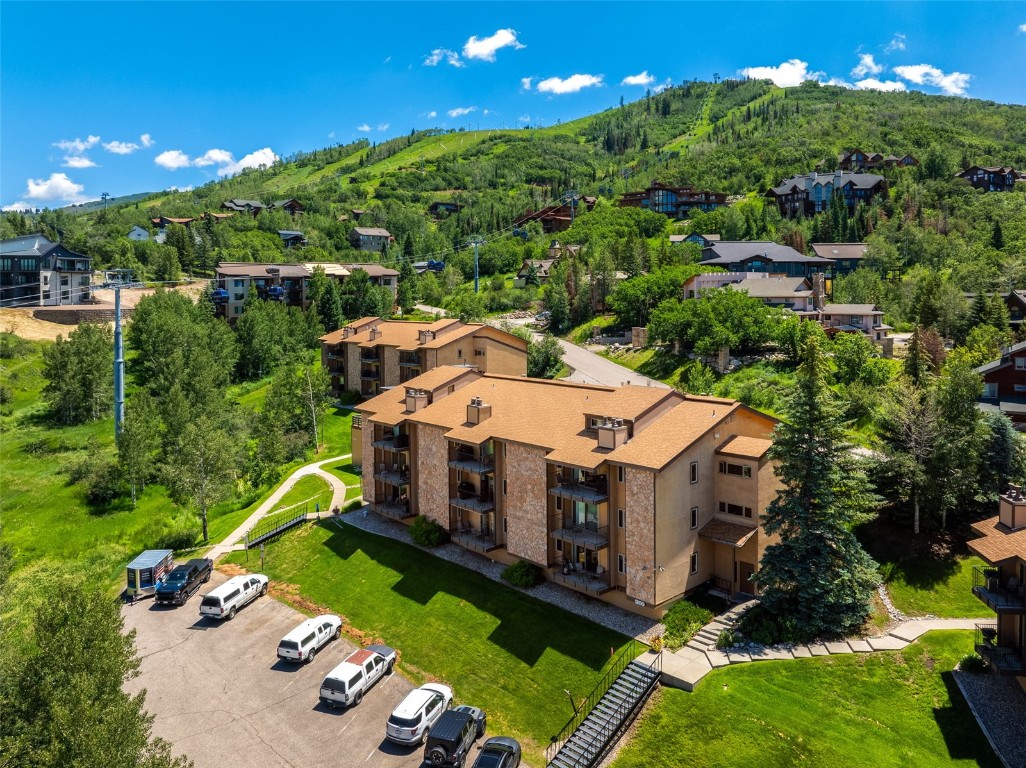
[499,752]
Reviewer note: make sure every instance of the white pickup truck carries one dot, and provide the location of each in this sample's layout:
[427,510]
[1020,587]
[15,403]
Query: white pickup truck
[347,682]
[224,601]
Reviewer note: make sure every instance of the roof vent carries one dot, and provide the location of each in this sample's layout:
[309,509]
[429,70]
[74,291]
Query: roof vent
[478,411]
[612,433]
[416,399]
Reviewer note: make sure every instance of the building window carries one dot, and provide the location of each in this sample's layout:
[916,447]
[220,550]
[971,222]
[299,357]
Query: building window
[694,562]
[620,518]
[619,474]
[739,470]
[621,564]
[238,310]
[735,509]
[504,529]
[694,472]
[694,518]
[459,354]
[503,487]
[990,390]
[559,503]
[1020,363]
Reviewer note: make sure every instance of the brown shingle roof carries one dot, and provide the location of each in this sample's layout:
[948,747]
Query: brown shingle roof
[723,532]
[745,447]
[998,542]
[389,407]
[673,432]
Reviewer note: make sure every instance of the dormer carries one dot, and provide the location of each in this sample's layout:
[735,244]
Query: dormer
[612,433]
[416,399]
[1012,512]
[478,411]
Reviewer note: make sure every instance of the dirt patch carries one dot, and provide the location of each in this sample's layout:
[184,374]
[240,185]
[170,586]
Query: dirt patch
[231,569]
[21,323]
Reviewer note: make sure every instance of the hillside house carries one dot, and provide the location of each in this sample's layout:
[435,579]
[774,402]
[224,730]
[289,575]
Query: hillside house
[558,217]
[992,178]
[292,239]
[293,206]
[811,193]
[542,268]
[632,495]
[441,208]
[793,293]
[1015,301]
[163,222]
[675,202]
[763,256]
[35,271]
[371,354]
[286,283]
[138,234]
[373,239]
[386,277]
[252,207]
[1004,384]
[856,318]
[999,585]
[857,160]
[847,257]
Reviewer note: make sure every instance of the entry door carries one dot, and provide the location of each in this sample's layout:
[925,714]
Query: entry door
[746,571]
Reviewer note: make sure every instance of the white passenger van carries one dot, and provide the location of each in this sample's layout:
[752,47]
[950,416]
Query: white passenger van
[224,601]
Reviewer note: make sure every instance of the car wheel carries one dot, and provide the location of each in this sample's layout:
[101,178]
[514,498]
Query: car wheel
[206,578]
[438,755]
[358,699]
[423,737]
[263,590]
[338,633]
[481,728]
[388,669]
[313,652]
[231,614]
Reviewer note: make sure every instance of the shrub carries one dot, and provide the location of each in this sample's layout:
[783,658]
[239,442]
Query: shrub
[682,621]
[426,532]
[106,485]
[972,663]
[726,639]
[522,574]
[178,537]
[760,626]
[657,643]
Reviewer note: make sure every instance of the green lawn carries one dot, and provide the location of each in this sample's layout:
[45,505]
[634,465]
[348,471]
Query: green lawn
[921,585]
[499,648]
[343,470]
[873,711]
[310,489]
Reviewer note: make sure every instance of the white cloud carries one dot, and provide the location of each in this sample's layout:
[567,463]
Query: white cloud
[667,83]
[571,84]
[525,83]
[21,205]
[951,83]
[57,187]
[77,146]
[121,147]
[387,59]
[1022,28]
[331,134]
[867,66]
[383,126]
[146,140]
[839,81]
[262,158]
[363,128]
[898,43]
[439,55]
[189,188]
[172,159]
[873,84]
[214,157]
[461,111]
[78,161]
[788,74]
[432,115]
[641,79]
[484,48]
[524,118]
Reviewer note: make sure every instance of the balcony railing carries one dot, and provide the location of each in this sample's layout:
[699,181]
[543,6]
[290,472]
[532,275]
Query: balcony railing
[393,443]
[397,510]
[394,476]
[1000,597]
[1006,659]
[586,534]
[480,539]
[470,462]
[593,491]
[369,356]
[369,374]
[592,582]
[409,362]
[474,503]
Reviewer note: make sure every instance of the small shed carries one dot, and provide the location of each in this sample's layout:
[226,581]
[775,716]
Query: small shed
[146,571]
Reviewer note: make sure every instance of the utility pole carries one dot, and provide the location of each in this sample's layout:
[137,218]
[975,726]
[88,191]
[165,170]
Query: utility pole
[475,241]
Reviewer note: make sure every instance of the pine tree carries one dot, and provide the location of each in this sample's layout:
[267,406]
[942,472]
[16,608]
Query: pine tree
[917,365]
[816,580]
[997,237]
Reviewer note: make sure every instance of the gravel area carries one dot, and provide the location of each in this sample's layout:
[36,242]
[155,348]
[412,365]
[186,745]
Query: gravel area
[610,616]
[1000,707]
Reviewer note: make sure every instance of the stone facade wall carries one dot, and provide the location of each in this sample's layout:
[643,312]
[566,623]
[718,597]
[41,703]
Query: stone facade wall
[431,465]
[526,497]
[351,371]
[367,454]
[77,316]
[640,534]
[389,366]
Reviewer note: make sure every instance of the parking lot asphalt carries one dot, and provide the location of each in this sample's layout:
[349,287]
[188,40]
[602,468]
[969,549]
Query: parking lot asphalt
[221,696]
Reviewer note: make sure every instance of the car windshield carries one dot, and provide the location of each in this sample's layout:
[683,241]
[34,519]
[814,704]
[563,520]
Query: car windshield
[489,759]
[176,578]
[404,722]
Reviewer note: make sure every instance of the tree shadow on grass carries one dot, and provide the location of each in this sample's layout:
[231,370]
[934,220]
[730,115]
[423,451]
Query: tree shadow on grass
[527,627]
[961,732]
[922,562]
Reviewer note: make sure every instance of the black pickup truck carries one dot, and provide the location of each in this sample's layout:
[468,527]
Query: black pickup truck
[184,581]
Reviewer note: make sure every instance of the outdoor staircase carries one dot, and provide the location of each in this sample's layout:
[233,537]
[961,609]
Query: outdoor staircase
[600,727]
[705,639]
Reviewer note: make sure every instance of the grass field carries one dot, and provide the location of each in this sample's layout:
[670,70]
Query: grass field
[499,648]
[877,710]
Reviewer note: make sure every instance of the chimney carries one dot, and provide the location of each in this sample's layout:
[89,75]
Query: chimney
[375,333]
[416,399]
[818,291]
[478,411]
[612,433]
[813,176]
[347,332]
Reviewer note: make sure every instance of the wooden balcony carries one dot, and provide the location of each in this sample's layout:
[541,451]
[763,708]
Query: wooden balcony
[473,503]
[1001,596]
[1002,659]
[394,443]
[470,462]
[396,476]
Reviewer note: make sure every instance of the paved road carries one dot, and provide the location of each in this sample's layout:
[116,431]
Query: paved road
[595,369]
[220,696]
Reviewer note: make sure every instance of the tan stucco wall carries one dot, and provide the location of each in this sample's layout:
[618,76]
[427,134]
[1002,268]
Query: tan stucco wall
[640,534]
[527,528]
[431,465]
[498,357]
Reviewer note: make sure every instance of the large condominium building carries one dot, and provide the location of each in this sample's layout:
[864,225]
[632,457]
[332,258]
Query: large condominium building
[635,495]
[371,354]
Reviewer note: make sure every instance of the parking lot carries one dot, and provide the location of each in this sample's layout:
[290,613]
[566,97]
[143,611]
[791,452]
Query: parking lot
[220,695]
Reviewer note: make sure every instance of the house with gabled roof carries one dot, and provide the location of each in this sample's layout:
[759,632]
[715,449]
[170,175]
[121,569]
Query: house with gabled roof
[243,206]
[1004,384]
[811,193]
[35,271]
[998,178]
[763,256]
[847,257]
[374,239]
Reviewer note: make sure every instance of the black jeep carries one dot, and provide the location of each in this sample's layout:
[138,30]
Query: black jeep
[450,739]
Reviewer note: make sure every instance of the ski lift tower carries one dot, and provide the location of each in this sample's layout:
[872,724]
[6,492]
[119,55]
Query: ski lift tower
[475,241]
[116,279]
[570,197]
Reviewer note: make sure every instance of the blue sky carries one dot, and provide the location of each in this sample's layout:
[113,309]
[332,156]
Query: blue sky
[142,96]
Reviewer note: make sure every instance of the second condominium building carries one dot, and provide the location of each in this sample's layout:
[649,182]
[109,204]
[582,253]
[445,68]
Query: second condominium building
[635,495]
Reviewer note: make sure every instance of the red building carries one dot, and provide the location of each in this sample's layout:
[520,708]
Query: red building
[1004,384]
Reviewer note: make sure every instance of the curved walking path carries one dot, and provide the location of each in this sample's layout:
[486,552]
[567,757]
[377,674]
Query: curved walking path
[338,499]
[685,667]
